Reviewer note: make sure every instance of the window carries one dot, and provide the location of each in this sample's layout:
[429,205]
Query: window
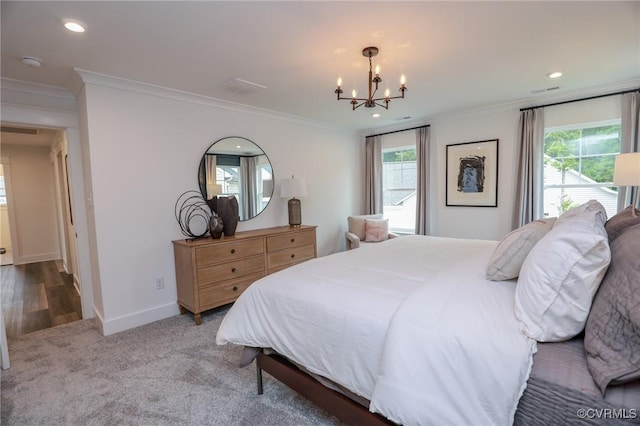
[578,166]
[399,177]
[3,189]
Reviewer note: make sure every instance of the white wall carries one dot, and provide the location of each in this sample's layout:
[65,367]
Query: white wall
[145,145]
[33,201]
[490,223]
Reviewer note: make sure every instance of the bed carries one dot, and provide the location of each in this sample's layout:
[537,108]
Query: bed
[408,331]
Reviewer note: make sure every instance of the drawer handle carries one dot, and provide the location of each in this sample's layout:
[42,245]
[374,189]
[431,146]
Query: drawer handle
[293,240]
[233,251]
[233,269]
[293,255]
[235,288]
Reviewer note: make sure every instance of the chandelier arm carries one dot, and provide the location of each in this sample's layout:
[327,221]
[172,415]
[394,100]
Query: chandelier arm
[350,99]
[385,105]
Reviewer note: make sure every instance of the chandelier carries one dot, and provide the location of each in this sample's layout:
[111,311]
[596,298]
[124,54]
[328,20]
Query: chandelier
[371,101]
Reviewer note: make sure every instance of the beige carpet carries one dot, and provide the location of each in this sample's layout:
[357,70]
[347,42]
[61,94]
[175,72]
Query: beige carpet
[167,373]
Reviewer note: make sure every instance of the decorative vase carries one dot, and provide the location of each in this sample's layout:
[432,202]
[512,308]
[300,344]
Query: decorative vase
[227,209]
[216,225]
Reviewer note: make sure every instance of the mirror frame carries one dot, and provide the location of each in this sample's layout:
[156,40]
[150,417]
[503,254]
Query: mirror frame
[202,172]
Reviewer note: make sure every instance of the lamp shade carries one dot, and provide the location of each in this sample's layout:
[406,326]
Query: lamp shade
[294,187]
[627,169]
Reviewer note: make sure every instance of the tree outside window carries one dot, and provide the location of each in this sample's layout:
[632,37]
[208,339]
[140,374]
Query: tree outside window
[578,166]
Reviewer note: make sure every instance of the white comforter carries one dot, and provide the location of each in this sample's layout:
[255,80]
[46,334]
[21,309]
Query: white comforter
[410,324]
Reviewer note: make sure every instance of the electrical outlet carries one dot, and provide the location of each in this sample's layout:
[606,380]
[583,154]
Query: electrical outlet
[159,283]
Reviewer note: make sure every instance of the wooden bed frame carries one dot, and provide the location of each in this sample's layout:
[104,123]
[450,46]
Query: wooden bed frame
[337,404]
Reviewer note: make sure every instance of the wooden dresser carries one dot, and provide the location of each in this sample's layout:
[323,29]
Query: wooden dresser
[212,273]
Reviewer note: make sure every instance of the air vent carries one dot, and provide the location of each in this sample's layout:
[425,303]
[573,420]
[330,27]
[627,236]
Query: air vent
[548,89]
[241,87]
[21,130]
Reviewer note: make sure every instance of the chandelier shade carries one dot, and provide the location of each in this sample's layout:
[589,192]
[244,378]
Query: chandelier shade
[374,79]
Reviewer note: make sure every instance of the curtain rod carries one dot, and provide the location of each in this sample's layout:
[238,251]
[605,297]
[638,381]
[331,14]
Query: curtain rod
[398,131]
[581,99]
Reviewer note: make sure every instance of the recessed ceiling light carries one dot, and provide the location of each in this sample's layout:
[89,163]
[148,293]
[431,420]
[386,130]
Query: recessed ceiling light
[554,74]
[74,26]
[375,115]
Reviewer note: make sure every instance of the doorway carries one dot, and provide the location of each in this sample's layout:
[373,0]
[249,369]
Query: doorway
[41,288]
[6,253]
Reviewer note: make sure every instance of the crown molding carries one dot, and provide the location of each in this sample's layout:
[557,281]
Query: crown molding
[36,89]
[511,105]
[97,79]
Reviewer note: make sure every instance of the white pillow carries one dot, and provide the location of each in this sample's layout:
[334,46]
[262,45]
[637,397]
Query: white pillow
[589,206]
[560,276]
[507,258]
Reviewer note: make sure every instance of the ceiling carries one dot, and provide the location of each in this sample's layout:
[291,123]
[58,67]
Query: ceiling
[456,55]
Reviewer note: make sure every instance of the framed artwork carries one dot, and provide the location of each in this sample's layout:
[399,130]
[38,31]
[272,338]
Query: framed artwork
[472,174]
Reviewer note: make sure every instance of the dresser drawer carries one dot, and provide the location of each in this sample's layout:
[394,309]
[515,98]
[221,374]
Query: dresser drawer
[220,294]
[291,256]
[297,239]
[230,270]
[226,251]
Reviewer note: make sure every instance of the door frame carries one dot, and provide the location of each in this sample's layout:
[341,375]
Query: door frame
[6,167]
[69,123]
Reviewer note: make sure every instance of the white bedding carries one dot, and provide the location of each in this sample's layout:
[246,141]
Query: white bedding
[410,324]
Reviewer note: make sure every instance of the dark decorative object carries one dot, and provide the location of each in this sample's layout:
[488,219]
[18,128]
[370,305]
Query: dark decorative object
[192,214]
[227,209]
[216,225]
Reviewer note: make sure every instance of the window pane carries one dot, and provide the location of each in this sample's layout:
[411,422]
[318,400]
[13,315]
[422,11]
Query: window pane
[3,192]
[399,188]
[578,167]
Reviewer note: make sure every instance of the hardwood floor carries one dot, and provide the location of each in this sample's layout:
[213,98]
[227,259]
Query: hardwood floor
[37,296]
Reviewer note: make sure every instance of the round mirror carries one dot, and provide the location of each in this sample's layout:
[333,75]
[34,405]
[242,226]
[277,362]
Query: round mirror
[236,166]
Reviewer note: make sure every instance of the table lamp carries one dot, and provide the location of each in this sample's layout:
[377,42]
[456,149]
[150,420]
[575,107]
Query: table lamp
[627,172]
[294,187]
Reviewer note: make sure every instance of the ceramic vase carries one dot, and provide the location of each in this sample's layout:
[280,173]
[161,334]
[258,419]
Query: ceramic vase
[216,226]
[227,209]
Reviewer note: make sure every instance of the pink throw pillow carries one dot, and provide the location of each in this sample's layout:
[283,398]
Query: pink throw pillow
[376,230]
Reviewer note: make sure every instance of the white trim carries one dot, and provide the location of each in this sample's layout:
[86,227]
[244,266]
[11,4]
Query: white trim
[11,212]
[39,116]
[97,79]
[36,89]
[33,258]
[137,319]
[507,106]
[4,345]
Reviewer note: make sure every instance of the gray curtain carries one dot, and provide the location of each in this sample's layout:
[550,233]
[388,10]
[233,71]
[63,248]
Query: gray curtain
[373,175]
[422,184]
[530,168]
[630,123]
[248,205]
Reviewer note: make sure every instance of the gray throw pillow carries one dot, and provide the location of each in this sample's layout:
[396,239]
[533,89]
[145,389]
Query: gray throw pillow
[612,333]
[618,223]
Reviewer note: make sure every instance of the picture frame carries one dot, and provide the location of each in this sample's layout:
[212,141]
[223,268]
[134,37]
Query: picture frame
[472,174]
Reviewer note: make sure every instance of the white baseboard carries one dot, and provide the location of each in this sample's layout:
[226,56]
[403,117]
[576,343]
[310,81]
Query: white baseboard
[43,257]
[76,284]
[137,319]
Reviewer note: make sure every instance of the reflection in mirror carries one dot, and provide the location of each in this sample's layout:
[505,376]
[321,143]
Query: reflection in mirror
[237,166]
